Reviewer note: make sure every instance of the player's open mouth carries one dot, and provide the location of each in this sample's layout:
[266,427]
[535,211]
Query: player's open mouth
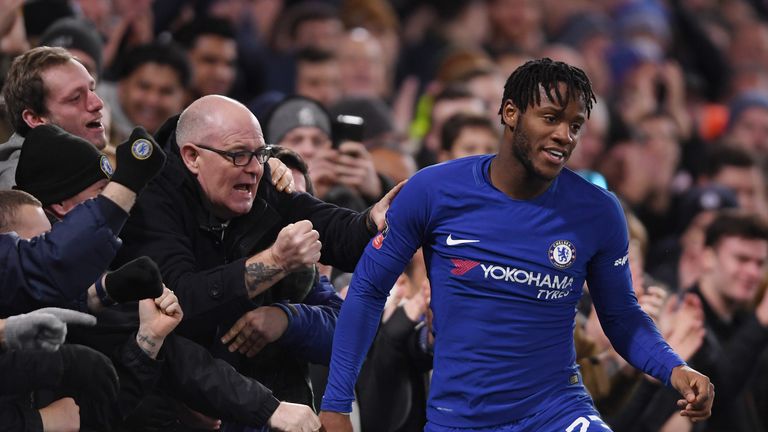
[556,156]
[96,124]
[243,187]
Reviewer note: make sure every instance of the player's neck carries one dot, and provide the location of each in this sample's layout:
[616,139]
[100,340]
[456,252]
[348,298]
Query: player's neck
[509,175]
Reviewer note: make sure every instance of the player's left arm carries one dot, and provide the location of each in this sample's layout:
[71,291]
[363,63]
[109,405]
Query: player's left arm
[384,259]
[630,330]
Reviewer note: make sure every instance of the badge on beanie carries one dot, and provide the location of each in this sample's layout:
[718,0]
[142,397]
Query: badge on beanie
[141,149]
[106,167]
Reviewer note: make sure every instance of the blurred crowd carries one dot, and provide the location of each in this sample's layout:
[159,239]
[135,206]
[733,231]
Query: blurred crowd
[353,96]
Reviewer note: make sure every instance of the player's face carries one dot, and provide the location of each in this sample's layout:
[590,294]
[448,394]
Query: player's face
[739,268]
[545,135]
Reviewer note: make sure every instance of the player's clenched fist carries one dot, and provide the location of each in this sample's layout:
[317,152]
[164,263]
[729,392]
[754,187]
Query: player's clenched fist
[297,246]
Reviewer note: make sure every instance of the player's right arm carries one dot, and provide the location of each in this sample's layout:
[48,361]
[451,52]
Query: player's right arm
[384,259]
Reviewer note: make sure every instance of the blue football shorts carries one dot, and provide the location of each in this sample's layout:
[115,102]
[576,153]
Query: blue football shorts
[570,410]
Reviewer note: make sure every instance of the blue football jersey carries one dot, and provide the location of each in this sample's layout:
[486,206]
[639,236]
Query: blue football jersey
[506,276]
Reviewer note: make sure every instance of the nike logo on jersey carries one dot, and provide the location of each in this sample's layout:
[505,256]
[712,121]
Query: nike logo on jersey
[450,241]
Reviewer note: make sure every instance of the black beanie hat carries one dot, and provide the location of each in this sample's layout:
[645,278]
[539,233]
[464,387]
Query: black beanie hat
[55,165]
[74,33]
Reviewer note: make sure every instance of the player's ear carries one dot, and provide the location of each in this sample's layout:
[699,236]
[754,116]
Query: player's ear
[509,113]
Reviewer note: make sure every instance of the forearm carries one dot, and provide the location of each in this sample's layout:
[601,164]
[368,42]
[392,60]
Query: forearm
[631,331]
[261,272]
[213,386]
[310,331]
[59,266]
[355,331]
[637,340]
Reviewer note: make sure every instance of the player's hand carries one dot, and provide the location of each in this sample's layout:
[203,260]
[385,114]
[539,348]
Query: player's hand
[378,213]
[291,417]
[254,330]
[698,393]
[282,177]
[297,246]
[335,422]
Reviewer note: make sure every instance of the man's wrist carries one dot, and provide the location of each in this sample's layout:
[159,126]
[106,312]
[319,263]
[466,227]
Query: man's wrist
[370,224]
[149,342]
[120,195]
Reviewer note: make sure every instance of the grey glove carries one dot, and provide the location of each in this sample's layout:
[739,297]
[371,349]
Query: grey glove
[43,329]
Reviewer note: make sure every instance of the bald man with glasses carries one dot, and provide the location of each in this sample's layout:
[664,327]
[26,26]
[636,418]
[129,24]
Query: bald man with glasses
[222,238]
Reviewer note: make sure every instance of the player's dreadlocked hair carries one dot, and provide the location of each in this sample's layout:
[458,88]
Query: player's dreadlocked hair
[522,87]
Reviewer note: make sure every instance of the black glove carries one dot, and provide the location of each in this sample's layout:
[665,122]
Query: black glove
[138,159]
[87,373]
[135,280]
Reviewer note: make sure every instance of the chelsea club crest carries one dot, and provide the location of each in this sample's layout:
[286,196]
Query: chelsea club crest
[141,149]
[562,254]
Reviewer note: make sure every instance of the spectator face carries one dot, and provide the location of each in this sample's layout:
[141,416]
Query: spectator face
[473,141]
[751,130]
[737,268]
[307,141]
[486,87]
[361,62]
[658,137]
[513,20]
[213,65]
[443,110]
[31,221]
[747,183]
[545,135]
[230,189]
[319,81]
[323,34]
[72,103]
[150,95]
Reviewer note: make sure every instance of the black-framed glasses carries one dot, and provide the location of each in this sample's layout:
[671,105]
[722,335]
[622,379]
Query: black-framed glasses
[242,157]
